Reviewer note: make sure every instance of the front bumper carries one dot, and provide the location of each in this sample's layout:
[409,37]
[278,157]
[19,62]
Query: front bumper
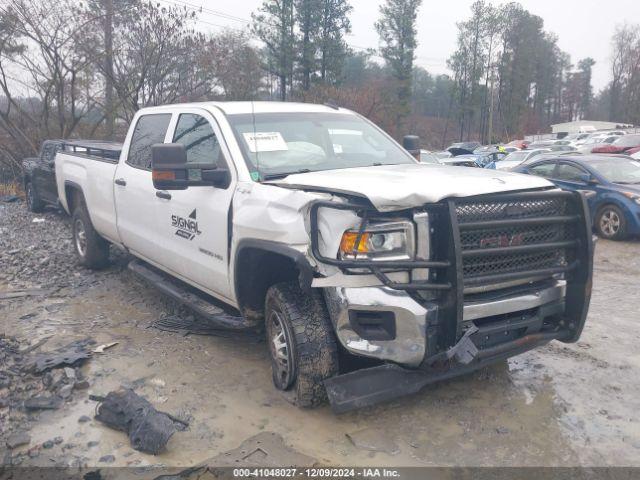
[524,311]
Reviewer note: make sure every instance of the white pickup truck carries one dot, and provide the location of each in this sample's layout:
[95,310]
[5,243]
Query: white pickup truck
[311,223]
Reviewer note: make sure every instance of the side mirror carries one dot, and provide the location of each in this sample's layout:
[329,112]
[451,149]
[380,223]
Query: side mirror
[588,179]
[170,171]
[411,143]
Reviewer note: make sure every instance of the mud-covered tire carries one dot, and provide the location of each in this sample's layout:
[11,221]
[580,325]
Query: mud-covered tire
[611,223]
[311,346]
[34,202]
[91,248]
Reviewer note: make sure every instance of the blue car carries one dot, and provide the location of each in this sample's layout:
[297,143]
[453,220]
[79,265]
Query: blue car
[615,180]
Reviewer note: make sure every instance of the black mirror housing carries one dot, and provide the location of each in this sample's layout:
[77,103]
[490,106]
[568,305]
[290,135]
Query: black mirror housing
[170,170]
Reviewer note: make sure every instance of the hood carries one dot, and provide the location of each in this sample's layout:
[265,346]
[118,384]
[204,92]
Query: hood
[395,187]
[621,187]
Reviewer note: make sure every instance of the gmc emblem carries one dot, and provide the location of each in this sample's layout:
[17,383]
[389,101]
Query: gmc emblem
[502,241]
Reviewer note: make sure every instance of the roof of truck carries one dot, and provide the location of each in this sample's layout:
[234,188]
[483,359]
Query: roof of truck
[231,108]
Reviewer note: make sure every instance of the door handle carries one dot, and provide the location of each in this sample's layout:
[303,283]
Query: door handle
[121,181]
[163,194]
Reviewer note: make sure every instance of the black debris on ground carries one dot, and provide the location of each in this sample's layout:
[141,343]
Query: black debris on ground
[149,430]
[25,392]
[185,323]
[72,354]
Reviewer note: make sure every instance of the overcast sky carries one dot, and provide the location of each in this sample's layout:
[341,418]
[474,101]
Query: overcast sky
[583,27]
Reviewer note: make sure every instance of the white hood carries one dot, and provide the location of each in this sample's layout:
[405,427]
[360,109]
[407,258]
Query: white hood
[395,187]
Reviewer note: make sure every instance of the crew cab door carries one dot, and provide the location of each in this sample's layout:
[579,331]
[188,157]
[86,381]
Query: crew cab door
[133,187]
[194,223]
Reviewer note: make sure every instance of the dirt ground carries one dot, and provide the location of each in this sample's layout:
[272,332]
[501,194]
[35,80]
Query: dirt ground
[558,405]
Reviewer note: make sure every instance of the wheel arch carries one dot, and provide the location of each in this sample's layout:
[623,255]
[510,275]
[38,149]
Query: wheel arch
[259,264]
[73,195]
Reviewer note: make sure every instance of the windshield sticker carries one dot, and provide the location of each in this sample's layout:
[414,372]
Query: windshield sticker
[265,142]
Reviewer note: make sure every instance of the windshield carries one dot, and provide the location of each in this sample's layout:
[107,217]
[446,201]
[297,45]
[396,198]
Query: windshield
[278,144]
[617,170]
[516,156]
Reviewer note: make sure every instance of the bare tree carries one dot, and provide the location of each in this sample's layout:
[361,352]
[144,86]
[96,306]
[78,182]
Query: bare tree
[235,65]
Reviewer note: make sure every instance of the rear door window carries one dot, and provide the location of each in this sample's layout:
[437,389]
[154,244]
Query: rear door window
[150,129]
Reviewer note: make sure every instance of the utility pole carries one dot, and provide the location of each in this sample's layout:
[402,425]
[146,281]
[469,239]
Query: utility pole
[109,105]
[490,129]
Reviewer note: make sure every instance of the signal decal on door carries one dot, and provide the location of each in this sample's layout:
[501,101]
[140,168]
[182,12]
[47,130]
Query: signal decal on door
[186,228]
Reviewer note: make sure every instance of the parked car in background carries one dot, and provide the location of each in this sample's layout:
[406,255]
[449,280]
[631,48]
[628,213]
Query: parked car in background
[442,154]
[597,141]
[428,157]
[460,161]
[468,146]
[620,144]
[562,148]
[521,144]
[40,174]
[615,180]
[516,158]
[481,159]
[40,177]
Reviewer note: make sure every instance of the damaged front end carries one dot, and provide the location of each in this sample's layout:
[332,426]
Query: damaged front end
[486,278]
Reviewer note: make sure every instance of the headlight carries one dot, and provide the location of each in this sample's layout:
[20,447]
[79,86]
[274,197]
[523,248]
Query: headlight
[382,241]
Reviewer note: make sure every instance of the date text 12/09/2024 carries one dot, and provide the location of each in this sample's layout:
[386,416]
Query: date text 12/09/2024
[316,472]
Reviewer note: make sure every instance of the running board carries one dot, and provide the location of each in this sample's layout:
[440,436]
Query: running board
[199,302]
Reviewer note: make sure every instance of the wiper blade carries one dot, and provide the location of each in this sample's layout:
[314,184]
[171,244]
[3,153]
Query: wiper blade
[275,176]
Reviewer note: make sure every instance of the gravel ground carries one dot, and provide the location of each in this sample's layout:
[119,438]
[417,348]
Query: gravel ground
[558,405]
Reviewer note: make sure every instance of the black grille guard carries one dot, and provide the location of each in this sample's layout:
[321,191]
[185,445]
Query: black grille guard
[447,253]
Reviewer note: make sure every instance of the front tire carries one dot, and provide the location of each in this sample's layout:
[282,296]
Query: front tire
[34,202]
[611,223]
[301,341]
[91,248]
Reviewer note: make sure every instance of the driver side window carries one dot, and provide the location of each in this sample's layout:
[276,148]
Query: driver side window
[199,140]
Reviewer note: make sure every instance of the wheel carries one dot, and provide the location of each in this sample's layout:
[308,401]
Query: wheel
[90,247]
[34,203]
[611,223]
[301,342]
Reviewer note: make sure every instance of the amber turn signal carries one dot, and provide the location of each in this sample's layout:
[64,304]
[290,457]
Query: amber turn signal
[348,243]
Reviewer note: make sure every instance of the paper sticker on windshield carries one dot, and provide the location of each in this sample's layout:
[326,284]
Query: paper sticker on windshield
[265,142]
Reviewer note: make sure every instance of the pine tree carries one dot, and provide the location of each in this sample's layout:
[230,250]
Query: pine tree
[274,25]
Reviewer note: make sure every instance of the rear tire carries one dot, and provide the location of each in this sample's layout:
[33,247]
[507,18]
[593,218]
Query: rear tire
[611,223]
[34,202]
[91,248]
[301,341]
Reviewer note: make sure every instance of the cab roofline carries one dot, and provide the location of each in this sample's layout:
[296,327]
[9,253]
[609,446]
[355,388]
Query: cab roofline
[232,108]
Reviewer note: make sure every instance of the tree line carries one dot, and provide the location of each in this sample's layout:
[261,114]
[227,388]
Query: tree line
[73,70]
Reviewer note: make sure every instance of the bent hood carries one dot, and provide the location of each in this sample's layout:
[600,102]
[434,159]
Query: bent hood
[395,187]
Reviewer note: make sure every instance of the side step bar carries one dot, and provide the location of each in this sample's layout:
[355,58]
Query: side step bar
[199,302]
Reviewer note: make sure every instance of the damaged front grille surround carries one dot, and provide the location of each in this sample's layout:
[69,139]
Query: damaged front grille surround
[570,252]
[495,239]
